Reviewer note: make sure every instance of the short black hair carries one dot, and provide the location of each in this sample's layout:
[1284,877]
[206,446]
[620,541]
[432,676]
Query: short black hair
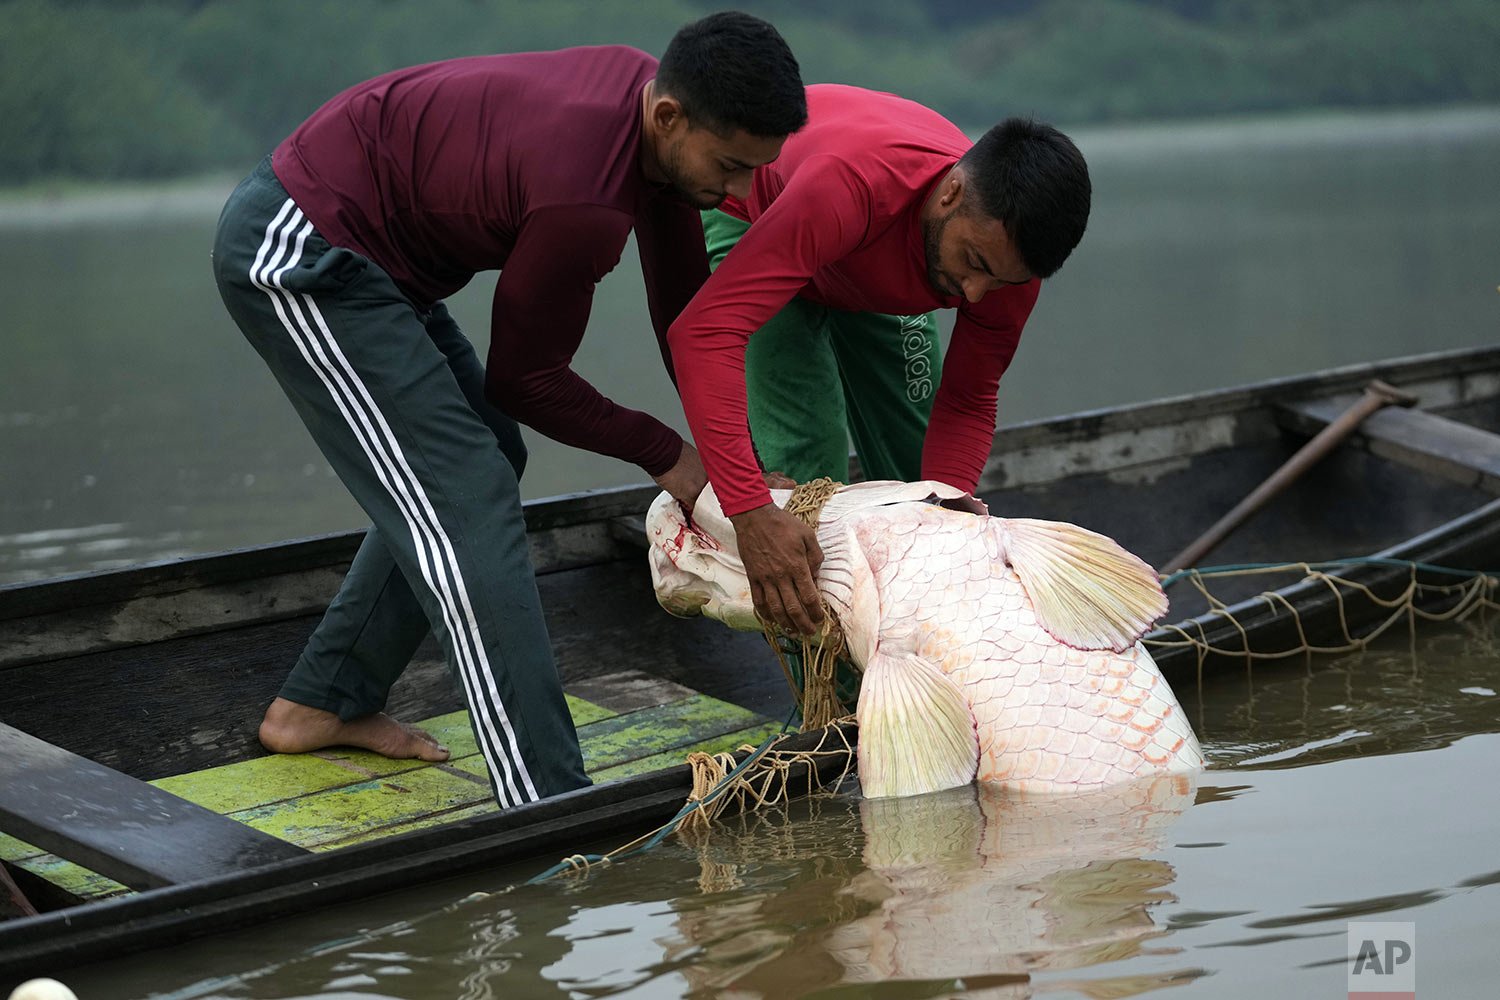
[1034,180]
[732,71]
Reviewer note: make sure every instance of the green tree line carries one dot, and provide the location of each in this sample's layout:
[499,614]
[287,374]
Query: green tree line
[103,89]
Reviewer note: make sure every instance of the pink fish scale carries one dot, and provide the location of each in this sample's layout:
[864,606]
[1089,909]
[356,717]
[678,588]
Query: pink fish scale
[1023,675]
[1031,653]
[1062,740]
[1106,751]
[1074,767]
[1052,669]
[989,691]
[1027,715]
[1038,736]
[1048,767]
[1106,731]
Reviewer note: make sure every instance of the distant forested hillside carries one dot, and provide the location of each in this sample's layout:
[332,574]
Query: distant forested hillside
[160,88]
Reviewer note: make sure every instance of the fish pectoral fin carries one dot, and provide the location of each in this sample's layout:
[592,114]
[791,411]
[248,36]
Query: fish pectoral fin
[916,733]
[1088,591]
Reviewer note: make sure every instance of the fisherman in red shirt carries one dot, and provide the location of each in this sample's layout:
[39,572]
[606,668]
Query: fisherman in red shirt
[334,258]
[877,212]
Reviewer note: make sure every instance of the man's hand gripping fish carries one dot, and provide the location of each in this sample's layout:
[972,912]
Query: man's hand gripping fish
[1001,649]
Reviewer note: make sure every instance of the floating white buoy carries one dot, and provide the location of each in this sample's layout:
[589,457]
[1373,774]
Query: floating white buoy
[42,989]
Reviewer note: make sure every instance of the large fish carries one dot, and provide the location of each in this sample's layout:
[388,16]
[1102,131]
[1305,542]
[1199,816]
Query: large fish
[999,649]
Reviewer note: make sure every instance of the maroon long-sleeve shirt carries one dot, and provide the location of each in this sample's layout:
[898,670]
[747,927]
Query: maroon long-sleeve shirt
[528,164]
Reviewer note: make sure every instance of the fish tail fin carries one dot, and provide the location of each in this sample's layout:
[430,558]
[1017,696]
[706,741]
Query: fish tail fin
[916,733]
[1088,591]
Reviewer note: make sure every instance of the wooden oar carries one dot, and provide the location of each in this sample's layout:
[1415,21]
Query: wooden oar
[13,902]
[1377,394]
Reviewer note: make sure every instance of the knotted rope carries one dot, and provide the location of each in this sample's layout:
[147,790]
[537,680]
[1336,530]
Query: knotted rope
[763,778]
[817,695]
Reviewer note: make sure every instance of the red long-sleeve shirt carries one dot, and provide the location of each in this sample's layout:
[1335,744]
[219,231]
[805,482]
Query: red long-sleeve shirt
[526,163]
[837,219]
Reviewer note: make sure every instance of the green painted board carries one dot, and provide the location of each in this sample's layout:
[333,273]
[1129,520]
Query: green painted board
[15,849]
[72,878]
[754,736]
[233,787]
[75,879]
[656,730]
[421,823]
[339,797]
[454,732]
[648,732]
[335,814]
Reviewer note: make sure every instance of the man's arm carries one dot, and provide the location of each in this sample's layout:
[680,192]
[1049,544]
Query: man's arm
[822,215]
[674,263]
[961,430]
[541,309]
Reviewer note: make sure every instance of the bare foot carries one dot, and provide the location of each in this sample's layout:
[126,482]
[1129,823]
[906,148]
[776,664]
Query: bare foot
[292,728]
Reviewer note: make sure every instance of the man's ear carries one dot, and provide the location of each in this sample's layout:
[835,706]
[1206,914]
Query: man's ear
[667,114]
[953,189]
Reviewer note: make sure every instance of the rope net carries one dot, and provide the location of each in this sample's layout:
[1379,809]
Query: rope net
[767,777]
[1414,602]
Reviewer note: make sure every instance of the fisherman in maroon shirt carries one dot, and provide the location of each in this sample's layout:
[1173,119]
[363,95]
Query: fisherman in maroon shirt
[334,257]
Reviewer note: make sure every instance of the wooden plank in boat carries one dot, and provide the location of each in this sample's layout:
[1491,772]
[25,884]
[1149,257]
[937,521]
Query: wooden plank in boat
[116,825]
[339,797]
[1434,444]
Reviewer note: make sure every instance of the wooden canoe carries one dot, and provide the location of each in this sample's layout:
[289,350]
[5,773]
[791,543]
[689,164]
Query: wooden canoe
[140,809]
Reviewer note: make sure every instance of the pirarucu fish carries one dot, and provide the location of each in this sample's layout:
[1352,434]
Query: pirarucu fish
[1005,650]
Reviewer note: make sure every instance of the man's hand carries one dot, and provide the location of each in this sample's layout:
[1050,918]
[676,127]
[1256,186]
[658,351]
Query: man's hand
[686,479]
[779,481]
[781,557]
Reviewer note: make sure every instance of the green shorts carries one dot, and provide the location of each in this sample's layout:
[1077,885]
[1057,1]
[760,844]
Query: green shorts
[818,376]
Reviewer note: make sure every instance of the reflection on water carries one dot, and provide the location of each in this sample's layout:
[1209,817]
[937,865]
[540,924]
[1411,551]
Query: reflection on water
[1216,254]
[1358,788]
[968,884]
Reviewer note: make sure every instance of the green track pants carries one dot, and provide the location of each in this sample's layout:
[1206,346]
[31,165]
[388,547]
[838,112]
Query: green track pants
[393,394]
